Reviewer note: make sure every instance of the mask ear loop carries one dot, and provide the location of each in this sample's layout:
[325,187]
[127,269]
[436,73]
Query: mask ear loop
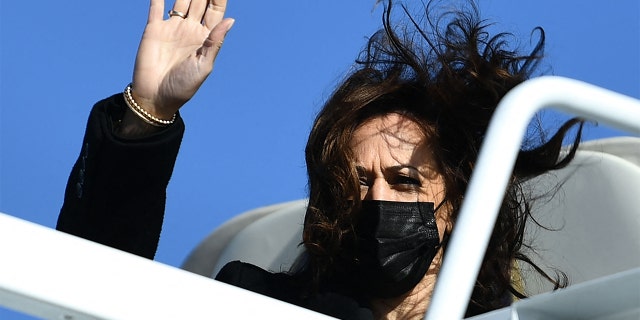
[439,205]
[434,210]
[445,236]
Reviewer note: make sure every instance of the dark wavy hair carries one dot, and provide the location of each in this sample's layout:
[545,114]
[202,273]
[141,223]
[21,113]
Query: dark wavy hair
[447,73]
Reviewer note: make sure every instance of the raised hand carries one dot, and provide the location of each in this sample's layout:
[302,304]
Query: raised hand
[177,54]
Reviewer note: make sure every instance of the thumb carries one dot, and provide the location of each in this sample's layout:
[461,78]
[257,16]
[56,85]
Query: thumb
[214,41]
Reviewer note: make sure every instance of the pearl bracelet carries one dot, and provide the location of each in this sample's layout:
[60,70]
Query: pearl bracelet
[142,113]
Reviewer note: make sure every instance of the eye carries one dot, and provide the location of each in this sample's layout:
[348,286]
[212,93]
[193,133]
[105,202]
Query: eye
[406,180]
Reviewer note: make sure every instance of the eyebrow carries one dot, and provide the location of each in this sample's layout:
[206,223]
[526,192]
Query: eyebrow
[396,168]
[403,166]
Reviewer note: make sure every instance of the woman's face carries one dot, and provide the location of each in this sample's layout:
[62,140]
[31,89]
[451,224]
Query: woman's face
[395,162]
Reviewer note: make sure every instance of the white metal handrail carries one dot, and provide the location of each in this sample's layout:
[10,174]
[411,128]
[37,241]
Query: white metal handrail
[54,275]
[57,276]
[503,140]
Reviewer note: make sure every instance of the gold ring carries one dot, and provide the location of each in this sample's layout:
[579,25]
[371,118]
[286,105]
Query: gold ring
[174,13]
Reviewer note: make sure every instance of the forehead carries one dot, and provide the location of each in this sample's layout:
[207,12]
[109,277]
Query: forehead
[394,130]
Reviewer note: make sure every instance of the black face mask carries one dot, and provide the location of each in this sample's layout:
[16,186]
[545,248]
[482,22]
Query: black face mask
[396,243]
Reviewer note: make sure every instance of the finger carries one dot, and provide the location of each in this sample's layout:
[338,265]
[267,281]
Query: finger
[181,6]
[196,9]
[156,10]
[214,41]
[215,13]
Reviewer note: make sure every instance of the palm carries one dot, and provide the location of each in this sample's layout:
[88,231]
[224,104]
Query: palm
[175,56]
[170,64]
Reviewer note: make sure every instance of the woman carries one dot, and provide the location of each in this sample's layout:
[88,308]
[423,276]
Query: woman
[388,158]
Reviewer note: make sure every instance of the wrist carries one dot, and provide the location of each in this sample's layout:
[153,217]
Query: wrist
[151,106]
[142,112]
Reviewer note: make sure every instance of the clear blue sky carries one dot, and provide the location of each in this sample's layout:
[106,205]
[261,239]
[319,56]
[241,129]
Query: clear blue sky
[247,127]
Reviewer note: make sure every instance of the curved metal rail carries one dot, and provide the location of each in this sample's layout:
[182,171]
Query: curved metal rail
[497,157]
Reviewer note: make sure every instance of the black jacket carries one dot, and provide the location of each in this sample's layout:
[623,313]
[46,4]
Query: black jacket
[116,195]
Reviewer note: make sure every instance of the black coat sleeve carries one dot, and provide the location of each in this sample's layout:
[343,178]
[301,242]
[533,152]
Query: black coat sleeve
[116,191]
